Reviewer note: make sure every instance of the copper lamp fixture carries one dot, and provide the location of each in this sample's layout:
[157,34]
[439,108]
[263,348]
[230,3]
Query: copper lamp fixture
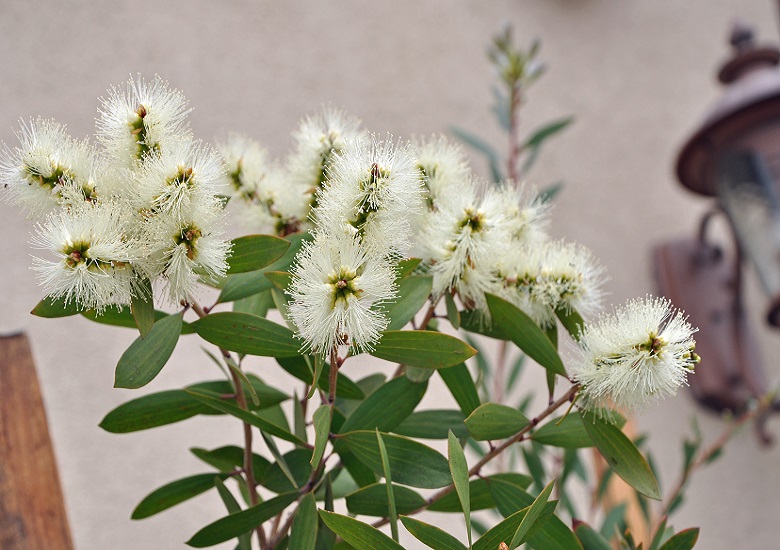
[734,156]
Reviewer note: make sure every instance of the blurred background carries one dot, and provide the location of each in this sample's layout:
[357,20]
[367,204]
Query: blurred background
[637,76]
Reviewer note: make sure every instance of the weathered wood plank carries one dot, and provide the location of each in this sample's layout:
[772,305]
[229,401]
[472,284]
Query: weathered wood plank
[32,510]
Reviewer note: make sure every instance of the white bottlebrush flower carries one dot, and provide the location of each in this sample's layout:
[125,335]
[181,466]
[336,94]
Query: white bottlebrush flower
[47,169]
[443,167]
[94,254]
[525,214]
[543,277]
[336,287]
[266,198]
[373,190]
[179,179]
[641,352]
[318,139]
[186,248]
[462,242]
[140,118]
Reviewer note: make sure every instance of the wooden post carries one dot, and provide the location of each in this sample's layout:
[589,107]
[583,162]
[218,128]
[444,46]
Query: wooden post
[32,510]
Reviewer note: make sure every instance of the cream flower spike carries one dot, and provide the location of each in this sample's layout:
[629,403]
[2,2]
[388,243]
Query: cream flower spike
[94,255]
[47,169]
[443,166]
[641,352]
[141,118]
[336,288]
[374,189]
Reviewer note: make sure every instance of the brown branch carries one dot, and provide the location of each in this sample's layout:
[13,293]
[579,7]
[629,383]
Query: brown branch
[249,472]
[519,436]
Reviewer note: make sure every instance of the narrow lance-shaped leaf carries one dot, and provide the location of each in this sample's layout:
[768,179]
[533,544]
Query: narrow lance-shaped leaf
[245,540]
[460,478]
[590,538]
[280,460]
[622,455]
[321,420]
[388,486]
[525,334]
[236,524]
[253,252]
[411,463]
[431,536]
[174,493]
[684,540]
[357,533]
[533,514]
[52,308]
[248,334]
[303,535]
[461,385]
[371,500]
[386,407]
[215,401]
[422,348]
[146,357]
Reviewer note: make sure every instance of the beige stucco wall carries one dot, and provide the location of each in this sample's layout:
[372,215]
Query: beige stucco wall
[637,76]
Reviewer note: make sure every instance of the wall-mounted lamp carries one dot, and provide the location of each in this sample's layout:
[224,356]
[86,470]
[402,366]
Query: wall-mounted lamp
[734,156]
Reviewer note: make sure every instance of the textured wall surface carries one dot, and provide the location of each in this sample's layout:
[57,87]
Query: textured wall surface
[637,76]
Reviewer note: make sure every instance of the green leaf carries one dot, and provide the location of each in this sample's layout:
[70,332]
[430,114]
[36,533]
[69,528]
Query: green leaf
[173,493]
[474,321]
[494,421]
[242,285]
[550,192]
[371,500]
[321,421]
[460,478]
[422,348]
[52,308]
[115,317]
[525,334]
[622,455]
[245,540]
[296,462]
[453,315]
[393,515]
[214,400]
[142,307]
[280,460]
[358,534]
[431,536]
[146,357]
[235,525]
[167,407]
[411,463]
[481,497]
[387,407]
[658,538]
[248,334]
[590,538]
[297,367]
[413,293]
[433,424]
[231,457]
[280,279]
[246,386]
[534,143]
[684,540]
[303,535]
[257,304]
[461,385]
[254,252]
[553,534]
[571,321]
[504,530]
[405,267]
[478,144]
[532,516]
[567,432]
